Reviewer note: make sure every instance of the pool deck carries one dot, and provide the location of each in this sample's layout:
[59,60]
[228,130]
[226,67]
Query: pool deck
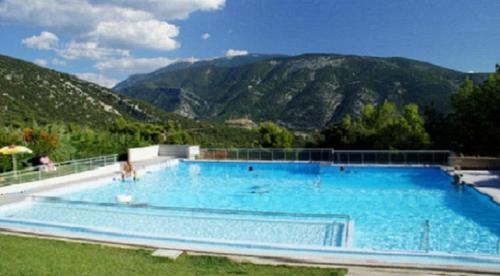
[486,182]
[18,192]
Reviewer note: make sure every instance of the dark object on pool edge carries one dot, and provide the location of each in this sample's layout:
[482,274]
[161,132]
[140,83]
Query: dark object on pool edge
[250,169]
[457,179]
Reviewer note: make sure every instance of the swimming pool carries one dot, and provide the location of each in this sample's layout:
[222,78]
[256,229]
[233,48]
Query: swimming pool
[299,206]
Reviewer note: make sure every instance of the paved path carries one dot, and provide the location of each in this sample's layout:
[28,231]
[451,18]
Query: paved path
[353,270]
[487,182]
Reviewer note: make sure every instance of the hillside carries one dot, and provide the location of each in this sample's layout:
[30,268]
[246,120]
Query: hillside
[303,92]
[29,92]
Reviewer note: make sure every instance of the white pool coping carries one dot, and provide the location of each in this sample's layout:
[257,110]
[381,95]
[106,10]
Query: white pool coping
[64,184]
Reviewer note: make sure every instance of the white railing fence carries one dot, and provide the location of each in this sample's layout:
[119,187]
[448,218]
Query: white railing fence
[434,157]
[37,173]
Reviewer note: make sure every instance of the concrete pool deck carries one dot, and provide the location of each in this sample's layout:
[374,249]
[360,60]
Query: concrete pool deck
[486,182]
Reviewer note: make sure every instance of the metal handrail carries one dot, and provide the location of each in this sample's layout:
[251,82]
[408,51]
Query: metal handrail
[83,160]
[36,173]
[330,155]
[426,238]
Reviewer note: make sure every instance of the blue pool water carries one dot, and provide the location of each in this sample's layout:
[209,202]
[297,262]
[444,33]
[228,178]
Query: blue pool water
[387,207]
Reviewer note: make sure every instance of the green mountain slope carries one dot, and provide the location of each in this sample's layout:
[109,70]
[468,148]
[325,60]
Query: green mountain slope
[303,92]
[30,92]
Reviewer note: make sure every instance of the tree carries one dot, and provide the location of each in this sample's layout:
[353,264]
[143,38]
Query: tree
[379,127]
[274,136]
[475,116]
[438,127]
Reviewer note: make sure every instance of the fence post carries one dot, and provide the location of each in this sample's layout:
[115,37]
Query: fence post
[248,154]
[75,166]
[272,155]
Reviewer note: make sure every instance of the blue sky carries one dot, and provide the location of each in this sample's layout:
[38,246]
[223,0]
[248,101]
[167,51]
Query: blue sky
[105,41]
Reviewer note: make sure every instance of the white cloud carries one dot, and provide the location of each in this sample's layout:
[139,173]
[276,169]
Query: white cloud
[173,9]
[131,65]
[105,31]
[205,36]
[190,59]
[67,15]
[90,50]
[44,41]
[150,34]
[40,62]
[98,79]
[59,62]
[129,23]
[233,53]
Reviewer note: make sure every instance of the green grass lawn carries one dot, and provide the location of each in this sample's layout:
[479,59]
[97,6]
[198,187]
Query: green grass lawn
[32,256]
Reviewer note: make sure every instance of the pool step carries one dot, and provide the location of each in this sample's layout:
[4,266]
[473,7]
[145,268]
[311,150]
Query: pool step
[167,253]
[246,228]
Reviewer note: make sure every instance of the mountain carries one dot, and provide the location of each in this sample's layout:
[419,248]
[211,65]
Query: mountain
[302,92]
[28,92]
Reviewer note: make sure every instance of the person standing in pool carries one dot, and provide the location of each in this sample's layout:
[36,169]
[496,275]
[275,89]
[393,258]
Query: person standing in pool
[128,171]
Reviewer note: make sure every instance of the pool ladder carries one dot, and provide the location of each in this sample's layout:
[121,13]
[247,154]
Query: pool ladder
[426,238]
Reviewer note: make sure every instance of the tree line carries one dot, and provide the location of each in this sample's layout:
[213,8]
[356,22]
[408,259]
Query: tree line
[471,128]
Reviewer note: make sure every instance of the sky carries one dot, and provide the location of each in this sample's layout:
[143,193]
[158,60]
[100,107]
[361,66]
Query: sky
[106,41]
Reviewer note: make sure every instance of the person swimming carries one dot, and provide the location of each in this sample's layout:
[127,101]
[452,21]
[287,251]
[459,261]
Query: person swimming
[250,169]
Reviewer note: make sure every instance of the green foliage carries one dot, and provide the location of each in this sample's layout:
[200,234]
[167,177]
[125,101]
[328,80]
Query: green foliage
[379,128]
[31,93]
[475,117]
[69,141]
[274,136]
